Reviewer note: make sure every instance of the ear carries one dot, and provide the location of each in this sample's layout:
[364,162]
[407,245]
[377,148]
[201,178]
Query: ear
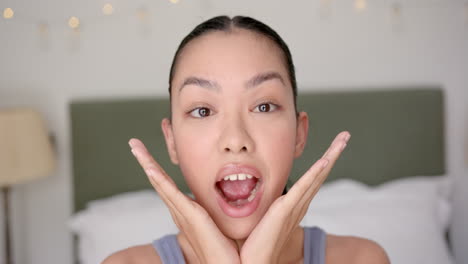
[169,137]
[302,131]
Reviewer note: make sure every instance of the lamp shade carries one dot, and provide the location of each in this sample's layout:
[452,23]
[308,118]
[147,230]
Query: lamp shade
[25,150]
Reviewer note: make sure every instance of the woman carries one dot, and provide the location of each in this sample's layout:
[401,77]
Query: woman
[234,131]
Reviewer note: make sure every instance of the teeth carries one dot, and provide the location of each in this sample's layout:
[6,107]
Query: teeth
[252,194]
[235,177]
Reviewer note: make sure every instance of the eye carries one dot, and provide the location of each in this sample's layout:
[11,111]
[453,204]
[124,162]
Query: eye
[266,107]
[200,112]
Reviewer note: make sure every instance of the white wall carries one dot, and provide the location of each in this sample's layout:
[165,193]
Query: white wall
[120,56]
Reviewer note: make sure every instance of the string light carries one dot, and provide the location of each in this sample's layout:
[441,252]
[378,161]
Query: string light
[466,11]
[144,27]
[44,37]
[142,13]
[396,9]
[73,22]
[8,13]
[43,28]
[325,9]
[360,5]
[107,9]
[396,17]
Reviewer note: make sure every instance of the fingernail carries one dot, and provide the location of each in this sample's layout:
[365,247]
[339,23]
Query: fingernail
[343,146]
[324,163]
[347,137]
[134,152]
[129,143]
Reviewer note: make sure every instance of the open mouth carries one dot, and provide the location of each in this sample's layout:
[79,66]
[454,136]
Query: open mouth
[238,189]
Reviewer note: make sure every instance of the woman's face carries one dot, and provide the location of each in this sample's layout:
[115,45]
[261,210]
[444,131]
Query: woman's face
[233,114]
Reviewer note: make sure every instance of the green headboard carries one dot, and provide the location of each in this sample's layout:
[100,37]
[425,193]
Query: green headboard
[395,133]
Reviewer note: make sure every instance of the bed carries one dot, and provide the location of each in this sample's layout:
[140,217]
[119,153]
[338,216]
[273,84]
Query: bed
[397,134]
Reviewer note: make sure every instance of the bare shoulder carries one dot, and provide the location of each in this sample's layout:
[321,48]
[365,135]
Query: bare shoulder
[141,254]
[351,249]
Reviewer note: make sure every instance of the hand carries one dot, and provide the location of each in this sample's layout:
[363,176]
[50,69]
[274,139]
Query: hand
[206,240]
[267,240]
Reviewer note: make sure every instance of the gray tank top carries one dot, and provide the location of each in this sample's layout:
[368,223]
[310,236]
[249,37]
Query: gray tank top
[314,247]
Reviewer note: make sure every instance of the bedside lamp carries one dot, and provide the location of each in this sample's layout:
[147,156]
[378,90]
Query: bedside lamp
[26,154]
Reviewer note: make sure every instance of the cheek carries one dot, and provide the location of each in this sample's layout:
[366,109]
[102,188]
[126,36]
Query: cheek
[277,149]
[192,143]
[195,154]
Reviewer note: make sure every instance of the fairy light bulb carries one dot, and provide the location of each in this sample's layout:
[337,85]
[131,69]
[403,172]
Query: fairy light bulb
[43,28]
[396,9]
[174,1]
[107,9]
[397,20]
[142,13]
[466,11]
[360,5]
[325,8]
[8,13]
[73,22]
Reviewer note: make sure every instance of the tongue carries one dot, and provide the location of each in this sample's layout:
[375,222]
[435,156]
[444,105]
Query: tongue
[235,190]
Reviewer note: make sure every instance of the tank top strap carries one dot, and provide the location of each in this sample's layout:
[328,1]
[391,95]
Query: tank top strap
[314,245]
[169,250]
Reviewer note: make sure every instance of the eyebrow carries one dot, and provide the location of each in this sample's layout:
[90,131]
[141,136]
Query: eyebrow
[213,85]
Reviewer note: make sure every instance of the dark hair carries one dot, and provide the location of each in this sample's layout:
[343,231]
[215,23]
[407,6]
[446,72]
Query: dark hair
[227,24]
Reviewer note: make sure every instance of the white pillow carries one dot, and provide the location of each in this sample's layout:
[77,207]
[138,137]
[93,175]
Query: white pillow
[407,217]
[118,222]
[439,187]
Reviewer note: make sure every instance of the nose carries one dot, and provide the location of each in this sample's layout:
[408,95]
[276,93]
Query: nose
[235,137]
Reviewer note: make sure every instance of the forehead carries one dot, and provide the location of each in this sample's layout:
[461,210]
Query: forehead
[230,55]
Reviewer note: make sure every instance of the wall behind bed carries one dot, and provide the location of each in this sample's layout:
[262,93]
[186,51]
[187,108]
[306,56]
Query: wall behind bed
[120,56]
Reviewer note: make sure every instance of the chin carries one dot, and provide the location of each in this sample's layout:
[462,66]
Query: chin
[239,228]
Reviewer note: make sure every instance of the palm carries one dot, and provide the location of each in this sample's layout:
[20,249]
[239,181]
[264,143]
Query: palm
[274,230]
[197,227]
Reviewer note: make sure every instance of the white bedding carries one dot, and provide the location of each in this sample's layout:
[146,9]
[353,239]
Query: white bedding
[408,217]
